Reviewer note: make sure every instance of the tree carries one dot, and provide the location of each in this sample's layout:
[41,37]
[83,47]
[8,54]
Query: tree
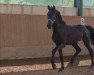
[51,2]
[20,1]
[7,1]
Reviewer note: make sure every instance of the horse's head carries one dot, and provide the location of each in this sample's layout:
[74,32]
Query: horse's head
[51,16]
[54,16]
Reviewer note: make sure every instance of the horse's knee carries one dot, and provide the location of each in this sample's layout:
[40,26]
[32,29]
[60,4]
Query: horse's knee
[54,51]
[61,46]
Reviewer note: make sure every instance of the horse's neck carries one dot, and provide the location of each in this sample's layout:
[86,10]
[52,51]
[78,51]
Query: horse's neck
[59,18]
[58,25]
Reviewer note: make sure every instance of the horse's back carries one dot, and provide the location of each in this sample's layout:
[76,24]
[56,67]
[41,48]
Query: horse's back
[71,34]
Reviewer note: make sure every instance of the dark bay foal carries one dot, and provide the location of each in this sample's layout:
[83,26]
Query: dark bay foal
[64,34]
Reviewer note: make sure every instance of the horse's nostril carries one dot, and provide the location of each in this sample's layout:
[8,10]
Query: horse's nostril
[49,26]
[93,42]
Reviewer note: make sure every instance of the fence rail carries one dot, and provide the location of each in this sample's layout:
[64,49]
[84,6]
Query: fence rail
[34,10]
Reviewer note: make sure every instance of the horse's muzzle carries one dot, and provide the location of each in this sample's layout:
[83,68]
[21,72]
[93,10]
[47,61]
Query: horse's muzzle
[92,42]
[49,26]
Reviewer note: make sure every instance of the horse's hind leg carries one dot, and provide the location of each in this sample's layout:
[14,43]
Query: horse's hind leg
[78,50]
[87,43]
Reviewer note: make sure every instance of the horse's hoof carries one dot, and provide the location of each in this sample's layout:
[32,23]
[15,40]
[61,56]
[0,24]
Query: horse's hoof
[54,66]
[60,70]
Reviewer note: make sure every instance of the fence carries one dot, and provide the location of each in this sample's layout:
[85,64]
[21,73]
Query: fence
[88,12]
[26,36]
[34,10]
[41,10]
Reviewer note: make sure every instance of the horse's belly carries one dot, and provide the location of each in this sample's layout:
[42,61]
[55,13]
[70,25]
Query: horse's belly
[73,39]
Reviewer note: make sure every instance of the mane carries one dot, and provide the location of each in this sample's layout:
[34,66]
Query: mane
[60,18]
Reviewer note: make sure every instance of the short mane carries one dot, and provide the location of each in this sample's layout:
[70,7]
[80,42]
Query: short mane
[60,18]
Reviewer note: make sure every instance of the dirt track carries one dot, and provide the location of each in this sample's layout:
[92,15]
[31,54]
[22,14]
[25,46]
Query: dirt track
[42,67]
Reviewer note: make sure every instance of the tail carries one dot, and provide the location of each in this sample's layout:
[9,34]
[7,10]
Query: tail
[91,30]
[88,29]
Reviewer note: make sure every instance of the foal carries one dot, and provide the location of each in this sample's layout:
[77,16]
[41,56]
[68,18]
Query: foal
[64,34]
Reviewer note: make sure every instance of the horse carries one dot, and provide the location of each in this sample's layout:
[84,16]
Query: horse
[64,34]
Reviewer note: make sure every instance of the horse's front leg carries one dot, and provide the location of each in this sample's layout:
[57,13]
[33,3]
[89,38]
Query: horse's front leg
[52,59]
[61,59]
[62,45]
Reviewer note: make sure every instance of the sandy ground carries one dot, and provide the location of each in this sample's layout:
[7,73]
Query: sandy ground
[42,66]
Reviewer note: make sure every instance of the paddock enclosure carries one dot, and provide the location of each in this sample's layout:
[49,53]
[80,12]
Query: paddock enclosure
[26,45]
[26,36]
[24,33]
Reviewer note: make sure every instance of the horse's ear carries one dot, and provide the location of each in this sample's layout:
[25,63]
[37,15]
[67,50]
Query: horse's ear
[53,7]
[49,8]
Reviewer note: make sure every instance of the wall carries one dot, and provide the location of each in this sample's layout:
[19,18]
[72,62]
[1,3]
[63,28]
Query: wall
[41,10]
[88,12]
[26,36]
[34,9]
